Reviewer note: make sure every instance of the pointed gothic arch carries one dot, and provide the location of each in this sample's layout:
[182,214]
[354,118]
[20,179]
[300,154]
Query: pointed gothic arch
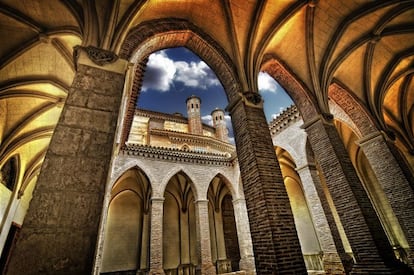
[126,234]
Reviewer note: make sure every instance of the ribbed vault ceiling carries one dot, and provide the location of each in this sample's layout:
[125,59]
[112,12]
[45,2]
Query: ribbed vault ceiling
[366,46]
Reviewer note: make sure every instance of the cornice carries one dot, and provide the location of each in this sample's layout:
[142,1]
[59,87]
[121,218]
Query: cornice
[194,139]
[178,155]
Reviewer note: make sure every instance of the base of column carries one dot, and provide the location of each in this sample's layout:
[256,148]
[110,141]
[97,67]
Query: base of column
[158,271]
[332,264]
[206,269]
[247,265]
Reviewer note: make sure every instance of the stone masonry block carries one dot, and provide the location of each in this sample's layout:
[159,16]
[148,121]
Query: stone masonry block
[88,119]
[66,141]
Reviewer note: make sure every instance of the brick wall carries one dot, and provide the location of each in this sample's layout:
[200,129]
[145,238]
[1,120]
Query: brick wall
[275,242]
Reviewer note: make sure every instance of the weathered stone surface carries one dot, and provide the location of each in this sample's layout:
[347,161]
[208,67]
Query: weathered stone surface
[62,222]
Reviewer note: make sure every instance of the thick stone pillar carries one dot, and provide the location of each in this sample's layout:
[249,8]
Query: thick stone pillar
[275,242]
[61,226]
[243,235]
[156,236]
[394,184]
[322,216]
[372,252]
[205,264]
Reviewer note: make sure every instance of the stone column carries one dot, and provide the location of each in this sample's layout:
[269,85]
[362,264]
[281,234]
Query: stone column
[243,235]
[393,182]
[325,226]
[370,246]
[203,238]
[275,242]
[61,226]
[221,245]
[156,236]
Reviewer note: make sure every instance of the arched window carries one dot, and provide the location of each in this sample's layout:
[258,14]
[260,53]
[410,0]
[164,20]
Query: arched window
[8,173]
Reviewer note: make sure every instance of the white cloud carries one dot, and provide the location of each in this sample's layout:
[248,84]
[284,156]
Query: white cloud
[195,74]
[162,71]
[266,83]
[207,119]
[159,73]
[278,114]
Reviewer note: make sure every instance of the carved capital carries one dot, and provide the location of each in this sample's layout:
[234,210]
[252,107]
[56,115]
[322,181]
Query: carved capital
[252,97]
[328,116]
[98,56]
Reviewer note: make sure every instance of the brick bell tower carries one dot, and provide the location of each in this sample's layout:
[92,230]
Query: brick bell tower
[219,123]
[194,116]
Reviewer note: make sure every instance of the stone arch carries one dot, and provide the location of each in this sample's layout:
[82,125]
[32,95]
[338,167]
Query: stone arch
[227,182]
[10,178]
[293,140]
[129,166]
[172,173]
[154,35]
[353,108]
[340,115]
[301,96]
[180,225]
[224,241]
[126,230]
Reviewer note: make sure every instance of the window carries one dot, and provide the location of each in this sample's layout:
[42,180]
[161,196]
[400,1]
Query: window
[8,173]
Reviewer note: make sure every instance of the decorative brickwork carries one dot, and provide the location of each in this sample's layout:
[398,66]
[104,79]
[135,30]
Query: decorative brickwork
[304,101]
[219,123]
[62,222]
[275,242]
[132,98]
[194,115]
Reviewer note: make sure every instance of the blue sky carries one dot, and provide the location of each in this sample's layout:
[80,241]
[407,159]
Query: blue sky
[174,74]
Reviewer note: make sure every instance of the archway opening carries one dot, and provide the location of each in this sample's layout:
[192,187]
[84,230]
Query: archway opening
[225,250]
[179,227]
[173,76]
[126,237]
[303,220]
[275,98]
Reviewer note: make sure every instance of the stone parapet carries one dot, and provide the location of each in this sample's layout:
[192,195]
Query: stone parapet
[286,118]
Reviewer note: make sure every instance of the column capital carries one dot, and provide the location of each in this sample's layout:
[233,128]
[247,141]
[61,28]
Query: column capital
[239,200]
[249,98]
[370,138]
[325,118]
[99,58]
[310,166]
[157,199]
